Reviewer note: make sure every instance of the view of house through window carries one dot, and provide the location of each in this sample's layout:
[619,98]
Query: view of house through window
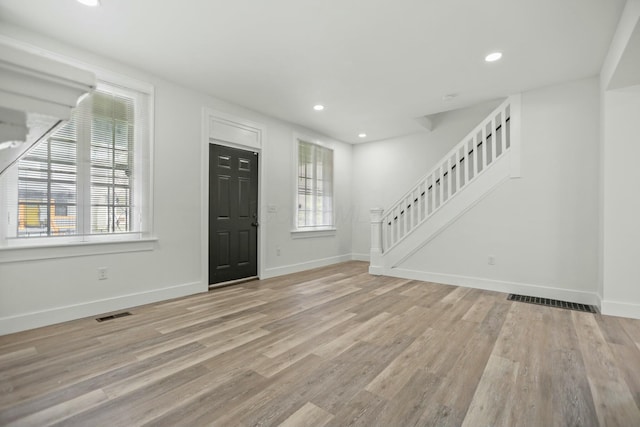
[80,180]
[315,186]
[47,185]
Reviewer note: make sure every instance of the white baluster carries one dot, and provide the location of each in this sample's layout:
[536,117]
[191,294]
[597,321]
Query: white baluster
[494,138]
[441,185]
[396,226]
[484,147]
[419,202]
[503,129]
[387,226]
[459,169]
[433,192]
[384,228]
[406,223]
[467,162]
[414,207]
[392,227]
[449,178]
[400,224]
[476,158]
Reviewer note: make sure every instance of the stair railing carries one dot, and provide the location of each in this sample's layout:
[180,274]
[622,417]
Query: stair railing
[458,168]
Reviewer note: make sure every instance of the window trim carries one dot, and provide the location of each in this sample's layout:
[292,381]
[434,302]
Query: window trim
[320,230]
[72,249]
[315,232]
[81,245]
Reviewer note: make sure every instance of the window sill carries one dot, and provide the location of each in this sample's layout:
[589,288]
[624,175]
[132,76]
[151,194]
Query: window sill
[74,249]
[317,232]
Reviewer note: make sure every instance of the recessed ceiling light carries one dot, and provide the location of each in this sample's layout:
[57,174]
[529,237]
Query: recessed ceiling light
[449,96]
[362,135]
[493,56]
[318,107]
[92,3]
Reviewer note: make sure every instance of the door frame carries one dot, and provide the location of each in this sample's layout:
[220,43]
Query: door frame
[236,132]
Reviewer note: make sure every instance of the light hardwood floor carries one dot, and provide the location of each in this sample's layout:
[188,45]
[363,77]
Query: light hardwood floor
[333,346]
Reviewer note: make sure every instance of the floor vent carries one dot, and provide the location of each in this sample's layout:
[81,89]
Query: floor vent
[553,303]
[113,316]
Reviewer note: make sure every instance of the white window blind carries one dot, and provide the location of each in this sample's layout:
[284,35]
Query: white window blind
[112,163]
[89,177]
[315,186]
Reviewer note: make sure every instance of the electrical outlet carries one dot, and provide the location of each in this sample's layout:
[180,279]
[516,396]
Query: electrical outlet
[102,273]
[492,260]
[278,251]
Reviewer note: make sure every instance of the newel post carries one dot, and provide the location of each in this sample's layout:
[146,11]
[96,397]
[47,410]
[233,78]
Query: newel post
[375,260]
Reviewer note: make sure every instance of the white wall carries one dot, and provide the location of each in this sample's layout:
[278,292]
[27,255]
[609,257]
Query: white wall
[384,170]
[619,130]
[34,293]
[297,253]
[621,221]
[542,228]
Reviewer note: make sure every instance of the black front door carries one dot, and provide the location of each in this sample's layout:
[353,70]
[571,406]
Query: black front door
[233,214]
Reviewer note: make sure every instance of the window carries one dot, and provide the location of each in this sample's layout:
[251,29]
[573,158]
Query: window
[315,186]
[89,180]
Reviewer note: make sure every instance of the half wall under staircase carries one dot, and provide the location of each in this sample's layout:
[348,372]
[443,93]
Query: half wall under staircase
[482,160]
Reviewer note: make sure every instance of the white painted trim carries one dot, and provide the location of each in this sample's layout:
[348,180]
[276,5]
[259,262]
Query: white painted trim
[620,309]
[319,232]
[599,300]
[540,291]
[297,137]
[75,249]
[208,116]
[101,73]
[376,270]
[23,322]
[308,265]
[360,257]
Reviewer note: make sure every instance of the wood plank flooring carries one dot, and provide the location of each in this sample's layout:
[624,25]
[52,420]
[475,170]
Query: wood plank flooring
[328,347]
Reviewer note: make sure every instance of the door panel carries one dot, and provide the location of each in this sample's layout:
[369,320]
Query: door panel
[243,247]
[244,196]
[233,213]
[222,255]
[223,199]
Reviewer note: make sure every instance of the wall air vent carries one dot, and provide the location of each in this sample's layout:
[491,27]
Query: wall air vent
[113,316]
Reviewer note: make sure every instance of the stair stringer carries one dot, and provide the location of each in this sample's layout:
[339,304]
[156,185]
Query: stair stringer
[462,201]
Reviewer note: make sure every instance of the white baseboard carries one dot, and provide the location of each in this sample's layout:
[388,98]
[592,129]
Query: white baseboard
[620,309]
[360,257]
[308,265]
[376,271]
[599,301]
[23,322]
[580,297]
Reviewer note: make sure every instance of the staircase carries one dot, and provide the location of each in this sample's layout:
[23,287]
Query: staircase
[482,160]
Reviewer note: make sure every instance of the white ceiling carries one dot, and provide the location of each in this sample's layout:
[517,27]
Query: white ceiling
[377,65]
